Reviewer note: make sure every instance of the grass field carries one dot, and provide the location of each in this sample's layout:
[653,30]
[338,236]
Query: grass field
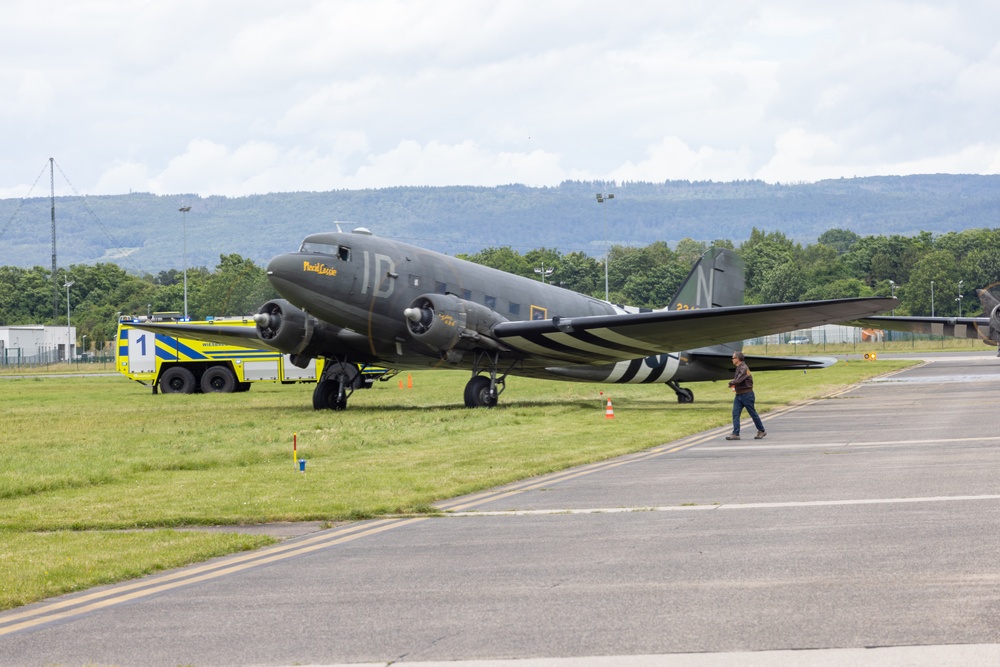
[99,478]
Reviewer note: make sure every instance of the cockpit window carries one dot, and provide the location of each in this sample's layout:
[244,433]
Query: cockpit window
[339,251]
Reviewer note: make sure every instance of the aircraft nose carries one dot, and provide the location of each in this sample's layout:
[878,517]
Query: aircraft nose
[281,270]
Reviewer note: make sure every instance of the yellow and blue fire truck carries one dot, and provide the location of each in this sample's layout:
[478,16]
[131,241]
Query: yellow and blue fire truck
[177,365]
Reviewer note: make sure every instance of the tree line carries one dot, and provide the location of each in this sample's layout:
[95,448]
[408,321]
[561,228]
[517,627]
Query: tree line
[927,273]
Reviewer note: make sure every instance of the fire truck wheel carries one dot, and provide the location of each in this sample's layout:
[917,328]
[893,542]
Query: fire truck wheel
[177,380]
[218,379]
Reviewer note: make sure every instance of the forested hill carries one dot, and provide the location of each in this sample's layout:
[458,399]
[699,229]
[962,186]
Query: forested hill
[143,232]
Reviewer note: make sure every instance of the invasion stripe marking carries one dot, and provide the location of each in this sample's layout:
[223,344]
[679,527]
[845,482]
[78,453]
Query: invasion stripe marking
[613,336]
[579,347]
[632,370]
[579,342]
[526,345]
[653,373]
[622,371]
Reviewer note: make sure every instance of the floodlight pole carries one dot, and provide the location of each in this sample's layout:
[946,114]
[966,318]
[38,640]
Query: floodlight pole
[69,334]
[544,272]
[959,299]
[184,211]
[601,198]
[932,298]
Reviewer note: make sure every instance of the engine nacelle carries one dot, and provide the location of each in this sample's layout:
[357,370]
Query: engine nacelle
[445,322]
[294,331]
[995,324]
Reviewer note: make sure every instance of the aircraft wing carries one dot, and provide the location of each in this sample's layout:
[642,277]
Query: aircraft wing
[756,362]
[763,363]
[956,327]
[612,338]
[226,335]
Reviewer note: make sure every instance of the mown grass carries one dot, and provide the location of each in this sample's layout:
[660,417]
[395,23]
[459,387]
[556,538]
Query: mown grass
[84,458]
[41,565]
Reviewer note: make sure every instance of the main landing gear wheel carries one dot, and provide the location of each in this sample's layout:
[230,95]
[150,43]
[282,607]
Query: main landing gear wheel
[177,380]
[683,395]
[479,393]
[329,395]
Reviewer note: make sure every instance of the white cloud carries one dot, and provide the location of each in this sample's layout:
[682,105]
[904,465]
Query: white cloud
[234,97]
[672,159]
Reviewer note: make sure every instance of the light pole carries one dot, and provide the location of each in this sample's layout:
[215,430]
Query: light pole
[959,299]
[184,212]
[69,335]
[601,198]
[892,293]
[932,298]
[544,272]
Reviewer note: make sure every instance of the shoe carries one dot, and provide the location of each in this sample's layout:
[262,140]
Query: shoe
[734,436]
[760,434]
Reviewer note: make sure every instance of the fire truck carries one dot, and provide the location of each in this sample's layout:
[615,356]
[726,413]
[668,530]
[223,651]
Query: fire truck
[177,365]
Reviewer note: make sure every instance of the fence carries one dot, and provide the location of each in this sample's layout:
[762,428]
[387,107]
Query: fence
[12,358]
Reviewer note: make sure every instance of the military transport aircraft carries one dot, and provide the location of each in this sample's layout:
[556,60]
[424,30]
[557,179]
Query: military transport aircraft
[986,326]
[357,299]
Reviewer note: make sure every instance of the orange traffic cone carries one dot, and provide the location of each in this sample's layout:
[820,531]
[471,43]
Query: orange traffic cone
[400,383]
[610,412]
[409,381]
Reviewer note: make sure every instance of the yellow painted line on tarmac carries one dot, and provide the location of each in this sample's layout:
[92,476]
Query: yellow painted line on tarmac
[79,605]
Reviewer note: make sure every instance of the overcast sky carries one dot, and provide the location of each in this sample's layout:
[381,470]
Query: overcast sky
[241,97]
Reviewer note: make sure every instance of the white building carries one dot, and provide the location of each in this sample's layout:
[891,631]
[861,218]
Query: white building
[35,343]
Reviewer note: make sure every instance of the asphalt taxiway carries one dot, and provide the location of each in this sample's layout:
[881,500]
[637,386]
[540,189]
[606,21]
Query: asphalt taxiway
[865,529]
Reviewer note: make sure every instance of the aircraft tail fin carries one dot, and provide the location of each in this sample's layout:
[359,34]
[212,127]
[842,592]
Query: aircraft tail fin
[717,280]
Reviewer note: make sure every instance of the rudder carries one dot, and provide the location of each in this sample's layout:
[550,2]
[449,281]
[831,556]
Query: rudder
[716,280]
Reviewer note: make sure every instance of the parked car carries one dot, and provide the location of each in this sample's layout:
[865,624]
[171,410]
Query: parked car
[799,340]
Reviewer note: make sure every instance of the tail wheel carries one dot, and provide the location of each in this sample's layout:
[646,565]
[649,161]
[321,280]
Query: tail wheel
[177,380]
[218,380]
[479,393]
[685,395]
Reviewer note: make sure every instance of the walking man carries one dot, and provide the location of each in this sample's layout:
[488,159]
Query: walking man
[742,384]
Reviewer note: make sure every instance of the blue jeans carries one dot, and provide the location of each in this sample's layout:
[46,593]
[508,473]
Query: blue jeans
[741,401]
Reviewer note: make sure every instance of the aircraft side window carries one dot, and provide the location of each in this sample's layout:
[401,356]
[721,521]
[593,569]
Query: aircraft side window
[515,308]
[491,302]
[538,313]
[467,294]
[344,253]
[440,288]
